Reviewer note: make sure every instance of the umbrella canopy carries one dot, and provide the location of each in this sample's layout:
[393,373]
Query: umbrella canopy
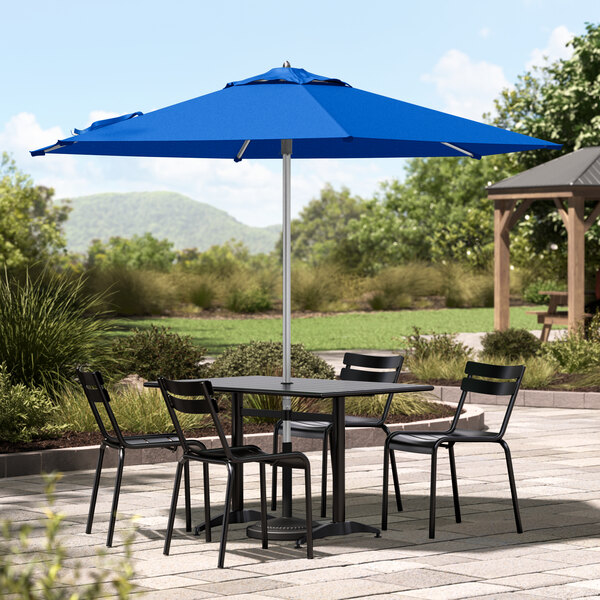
[325,117]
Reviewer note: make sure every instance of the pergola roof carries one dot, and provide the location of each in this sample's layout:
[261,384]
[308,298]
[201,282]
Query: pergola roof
[577,173]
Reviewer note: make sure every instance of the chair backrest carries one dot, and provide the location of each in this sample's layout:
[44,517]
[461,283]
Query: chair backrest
[384,369]
[192,397]
[97,395]
[494,380]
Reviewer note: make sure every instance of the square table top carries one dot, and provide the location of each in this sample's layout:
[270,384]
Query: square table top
[311,388]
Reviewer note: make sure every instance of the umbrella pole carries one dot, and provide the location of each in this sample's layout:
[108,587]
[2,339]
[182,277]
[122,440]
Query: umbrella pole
[286,153]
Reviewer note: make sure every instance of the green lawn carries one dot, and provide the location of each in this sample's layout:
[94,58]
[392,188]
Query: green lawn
[377,330]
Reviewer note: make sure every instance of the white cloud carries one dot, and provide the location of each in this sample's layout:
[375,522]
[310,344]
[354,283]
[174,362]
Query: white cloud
[249,190]
[484,32]
[467,88]
[554,50]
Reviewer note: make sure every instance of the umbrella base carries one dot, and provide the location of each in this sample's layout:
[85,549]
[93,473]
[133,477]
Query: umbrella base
[280,529]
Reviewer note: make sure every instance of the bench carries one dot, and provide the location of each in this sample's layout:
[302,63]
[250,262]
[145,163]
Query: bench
[547,319]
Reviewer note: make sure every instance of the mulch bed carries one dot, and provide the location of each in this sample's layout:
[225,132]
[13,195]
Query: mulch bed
[72,439]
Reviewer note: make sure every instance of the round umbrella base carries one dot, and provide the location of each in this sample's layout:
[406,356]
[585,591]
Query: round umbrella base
[280,529]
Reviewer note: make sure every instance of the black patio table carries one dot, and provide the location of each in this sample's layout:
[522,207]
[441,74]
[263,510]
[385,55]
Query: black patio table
[287,528]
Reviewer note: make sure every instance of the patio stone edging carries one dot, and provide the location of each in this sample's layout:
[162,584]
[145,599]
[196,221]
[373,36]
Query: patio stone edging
[86,457]
[533,398]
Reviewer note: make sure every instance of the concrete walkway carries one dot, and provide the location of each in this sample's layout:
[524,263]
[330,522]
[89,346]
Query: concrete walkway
[557,466]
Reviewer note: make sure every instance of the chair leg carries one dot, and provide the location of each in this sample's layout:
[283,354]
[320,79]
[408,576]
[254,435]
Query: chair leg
[432,494]
[88,528]
[274,474]
[115,502]
[188,499]
[226,510]
[513,487]
[394,474]
[454,483]
[263,506]
[324,477]
[174,497]
[309,520]
[386,480]
[207,527]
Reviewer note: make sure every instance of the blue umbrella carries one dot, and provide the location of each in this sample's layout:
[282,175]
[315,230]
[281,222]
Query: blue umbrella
[286,112]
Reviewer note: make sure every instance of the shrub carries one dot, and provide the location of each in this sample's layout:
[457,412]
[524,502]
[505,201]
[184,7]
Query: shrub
[575,353]
[531,292]
[136,411]
[266,358]
[442,345]
[25,413]
[315,288]
[134,292]
[511,344]
[44,575]
[48,325]
[157,351]
[402,404]
[437,367]
[202,295]
[464,288]
[539,371]
[251,300]
[396,287]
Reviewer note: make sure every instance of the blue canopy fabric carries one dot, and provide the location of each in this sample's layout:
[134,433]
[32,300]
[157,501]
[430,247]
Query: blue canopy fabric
[325,118]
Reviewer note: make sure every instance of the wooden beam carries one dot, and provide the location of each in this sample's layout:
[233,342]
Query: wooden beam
[592,217]
[576,262]
[562,211]
[502,211]
[519,212]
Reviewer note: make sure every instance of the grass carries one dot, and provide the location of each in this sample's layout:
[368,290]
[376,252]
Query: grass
[377,330]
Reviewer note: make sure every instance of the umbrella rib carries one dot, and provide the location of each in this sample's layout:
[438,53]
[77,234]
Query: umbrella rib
[241,151]
[461,150]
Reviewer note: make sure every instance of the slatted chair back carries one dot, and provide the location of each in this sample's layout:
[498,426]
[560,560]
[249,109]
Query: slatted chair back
[384,369]
[97,395]
[192,397]
[494,380]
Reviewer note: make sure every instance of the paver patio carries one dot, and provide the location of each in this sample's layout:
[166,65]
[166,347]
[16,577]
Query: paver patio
[558,556]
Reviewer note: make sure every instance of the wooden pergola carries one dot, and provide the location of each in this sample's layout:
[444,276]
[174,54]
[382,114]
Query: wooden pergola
[570,181]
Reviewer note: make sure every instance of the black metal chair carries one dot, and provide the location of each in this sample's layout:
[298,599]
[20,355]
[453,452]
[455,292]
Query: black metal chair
[196,397]
[389,368]
[478,380]
[97,395]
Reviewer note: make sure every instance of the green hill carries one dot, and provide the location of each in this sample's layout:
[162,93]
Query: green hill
[178,218]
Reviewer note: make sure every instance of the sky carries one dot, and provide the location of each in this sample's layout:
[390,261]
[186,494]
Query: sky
[67,63]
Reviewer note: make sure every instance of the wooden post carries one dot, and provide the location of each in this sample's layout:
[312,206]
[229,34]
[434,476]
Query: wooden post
[502,212]
[576,261]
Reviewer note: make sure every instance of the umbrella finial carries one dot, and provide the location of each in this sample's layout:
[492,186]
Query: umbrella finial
[286,64]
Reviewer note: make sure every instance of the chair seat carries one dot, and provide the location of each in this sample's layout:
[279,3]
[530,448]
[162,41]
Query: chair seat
[251,453]
[423,442]
[150,441]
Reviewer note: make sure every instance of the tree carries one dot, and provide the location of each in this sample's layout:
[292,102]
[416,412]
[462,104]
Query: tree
[558,102]
[319,234]
[440,213]
[30,225]
[138,252]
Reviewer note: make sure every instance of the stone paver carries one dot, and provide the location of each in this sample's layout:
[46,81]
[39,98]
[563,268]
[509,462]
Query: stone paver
[556,464]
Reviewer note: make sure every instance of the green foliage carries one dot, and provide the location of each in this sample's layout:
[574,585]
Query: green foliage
[137,252]
[511,344]
[316,288]
[133,292]
[157,351]
[464,288]
[249,300]
[30,226]
[531,292]
[437,366]
[560,102]
[25,413]
[49,325]
[436,345]
[319,234]
[576,353]
[44,574]
[202,294]
[402,404]
[397,287]
[539,371]
[136,411]
[266,358]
